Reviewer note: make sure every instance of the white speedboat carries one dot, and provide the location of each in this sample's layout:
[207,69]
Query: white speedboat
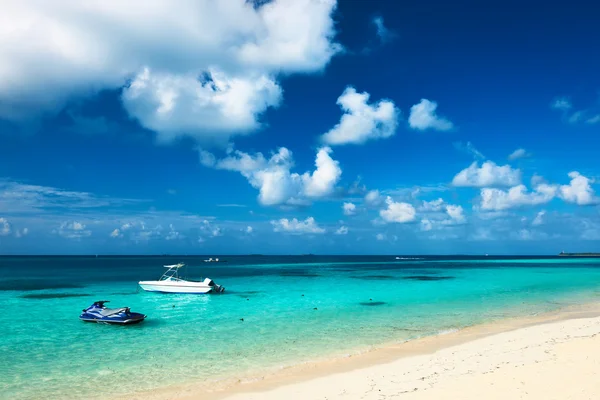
[170,282]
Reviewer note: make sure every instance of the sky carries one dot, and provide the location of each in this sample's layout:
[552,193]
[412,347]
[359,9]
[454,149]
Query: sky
[299,126]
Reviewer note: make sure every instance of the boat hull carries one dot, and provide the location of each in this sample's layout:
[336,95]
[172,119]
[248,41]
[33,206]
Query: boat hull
[128,321]
[176,287]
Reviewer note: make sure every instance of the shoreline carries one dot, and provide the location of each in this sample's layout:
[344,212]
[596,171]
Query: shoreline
[254,383]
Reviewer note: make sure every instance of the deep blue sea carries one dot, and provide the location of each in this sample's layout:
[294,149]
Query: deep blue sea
[294,309]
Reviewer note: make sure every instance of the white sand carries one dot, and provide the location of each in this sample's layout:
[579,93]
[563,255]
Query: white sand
[553,356]
[560,360]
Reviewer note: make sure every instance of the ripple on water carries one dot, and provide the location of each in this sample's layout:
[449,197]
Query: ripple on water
[45,296]
[35,284]
[373,277]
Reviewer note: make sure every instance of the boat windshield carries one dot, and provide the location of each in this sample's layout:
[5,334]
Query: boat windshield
[172,274]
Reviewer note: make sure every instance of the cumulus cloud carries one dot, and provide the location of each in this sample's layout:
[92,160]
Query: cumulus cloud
[349,208]
[373,198]
[497,199]
[397,212]
[249,229]
[423,116]
[455,213]
[579,190]
[273,178]
[176,105]
[539,218]
[5,227]
[426,225]
[294,226]
[489,174]
[362,121]
[519,153]
[561,103]
[197,66]
[433,205]
[380,236]
[342,230]
[72,230]
[452,214]
[116,233]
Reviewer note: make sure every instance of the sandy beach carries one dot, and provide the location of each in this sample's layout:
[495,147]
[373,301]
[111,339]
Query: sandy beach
[553,356]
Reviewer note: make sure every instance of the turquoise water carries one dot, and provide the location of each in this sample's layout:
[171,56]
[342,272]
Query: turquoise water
[294,309]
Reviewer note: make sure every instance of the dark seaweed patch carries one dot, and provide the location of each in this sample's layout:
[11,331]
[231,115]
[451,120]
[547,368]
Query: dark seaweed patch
[44,296]
[246,294]
[373,303]
[34,284]
[427,278]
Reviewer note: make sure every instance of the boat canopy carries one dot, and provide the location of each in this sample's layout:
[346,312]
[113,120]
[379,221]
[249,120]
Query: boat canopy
[174,265]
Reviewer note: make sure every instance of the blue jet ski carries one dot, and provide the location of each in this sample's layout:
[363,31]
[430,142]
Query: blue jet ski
[122,316]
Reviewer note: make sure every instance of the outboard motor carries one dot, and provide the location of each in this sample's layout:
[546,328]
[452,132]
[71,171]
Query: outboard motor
[215,288]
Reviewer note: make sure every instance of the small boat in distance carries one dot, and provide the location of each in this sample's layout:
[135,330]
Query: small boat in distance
[118,316]
[214,260]
[170,282]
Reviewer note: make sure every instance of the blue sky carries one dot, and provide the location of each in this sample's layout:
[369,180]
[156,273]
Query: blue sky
[305,126]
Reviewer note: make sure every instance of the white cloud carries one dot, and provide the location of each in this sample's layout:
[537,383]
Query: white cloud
[295,226]
[519,153]
[373,198]
[21,233]
[342,230]
[527,234]
[173,234]
[578,191]
[362,121]
[380,236]
[176,105]
[19,198]
[249,229]
[209,229]
[561,103]
[593,120]
[349,208]
[5,228]
[116,233]
[433,205]
[276,184]
[469,148]
[539,218]
[85,47]
[383,33]
[423,116]
[576,117]
[426,225]
[455,213]
[397,212]
[517,196]
[72,230]
[482,234]
[489,174]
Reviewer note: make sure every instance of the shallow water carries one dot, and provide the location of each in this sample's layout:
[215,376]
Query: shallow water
[276,311]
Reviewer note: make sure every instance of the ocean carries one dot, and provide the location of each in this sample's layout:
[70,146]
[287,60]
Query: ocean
[275,312]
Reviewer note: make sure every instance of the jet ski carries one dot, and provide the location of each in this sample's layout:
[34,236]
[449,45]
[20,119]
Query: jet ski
[121,316]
